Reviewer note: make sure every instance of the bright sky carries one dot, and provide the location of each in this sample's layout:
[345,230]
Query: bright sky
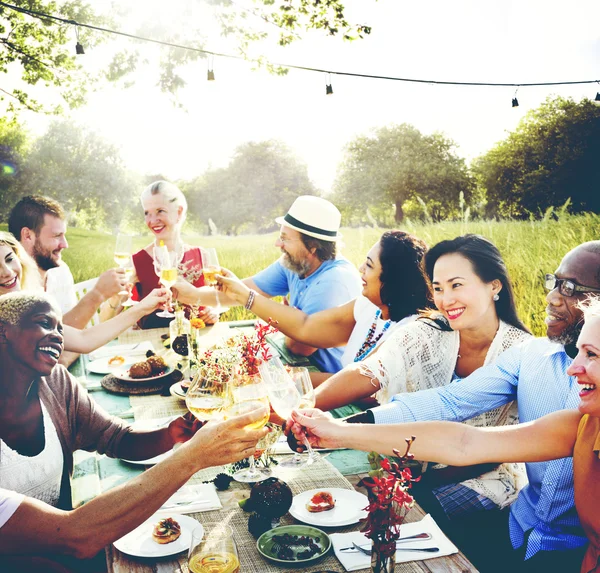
[461,40]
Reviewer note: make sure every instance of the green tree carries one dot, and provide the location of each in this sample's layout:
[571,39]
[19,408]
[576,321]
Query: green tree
[83,172]
[552,156]
[259,184]
[398,163]
[13,145]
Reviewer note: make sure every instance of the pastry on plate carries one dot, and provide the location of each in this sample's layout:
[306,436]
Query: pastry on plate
[166,531]
[321,501]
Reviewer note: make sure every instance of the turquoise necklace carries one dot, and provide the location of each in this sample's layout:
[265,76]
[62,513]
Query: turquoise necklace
[371,340]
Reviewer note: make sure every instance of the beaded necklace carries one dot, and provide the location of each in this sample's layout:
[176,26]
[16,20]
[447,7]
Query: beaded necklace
[371,340]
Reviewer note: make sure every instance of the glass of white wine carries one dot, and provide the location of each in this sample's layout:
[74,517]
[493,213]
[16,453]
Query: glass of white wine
[247,393]
[123,249]
[207,395]
[129,272]
[210,266]
[213,550]
[289,389]
[165,266]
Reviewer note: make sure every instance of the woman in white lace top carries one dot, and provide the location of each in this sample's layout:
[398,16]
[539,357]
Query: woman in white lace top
[476,321]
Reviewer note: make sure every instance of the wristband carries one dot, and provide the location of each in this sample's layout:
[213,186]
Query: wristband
[250,300]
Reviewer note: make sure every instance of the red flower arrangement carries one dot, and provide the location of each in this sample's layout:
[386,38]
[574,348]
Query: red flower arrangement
[254,349]
[389,501]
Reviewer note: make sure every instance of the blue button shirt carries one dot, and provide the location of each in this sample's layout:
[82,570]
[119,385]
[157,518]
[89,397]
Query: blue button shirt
[533,373]
[334,283]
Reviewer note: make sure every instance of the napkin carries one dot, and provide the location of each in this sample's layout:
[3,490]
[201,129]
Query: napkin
[355,560]
[192,499]
[138,349]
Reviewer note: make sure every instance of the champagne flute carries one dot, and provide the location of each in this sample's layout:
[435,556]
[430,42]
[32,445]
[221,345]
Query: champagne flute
[287,394]
[123,249]
[248,392]
[207,395]
[165,266]
[129,272]
[213,550]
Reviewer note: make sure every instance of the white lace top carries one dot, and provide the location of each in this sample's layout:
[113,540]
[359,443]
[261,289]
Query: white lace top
[419,356]
[36,476]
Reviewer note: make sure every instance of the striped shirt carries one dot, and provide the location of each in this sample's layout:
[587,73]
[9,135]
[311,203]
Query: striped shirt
[533,373]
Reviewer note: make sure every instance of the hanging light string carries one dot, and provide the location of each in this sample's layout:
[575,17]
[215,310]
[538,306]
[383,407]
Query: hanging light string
[44,16]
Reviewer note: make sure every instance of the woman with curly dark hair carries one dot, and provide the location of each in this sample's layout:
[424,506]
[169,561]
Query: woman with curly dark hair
[394,291]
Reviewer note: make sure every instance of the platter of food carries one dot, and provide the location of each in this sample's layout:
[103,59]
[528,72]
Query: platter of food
[330,507]
[293,545]
[153,368]
[159,536]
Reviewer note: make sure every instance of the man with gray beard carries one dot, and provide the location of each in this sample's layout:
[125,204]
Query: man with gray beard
[540,531]
[310,272]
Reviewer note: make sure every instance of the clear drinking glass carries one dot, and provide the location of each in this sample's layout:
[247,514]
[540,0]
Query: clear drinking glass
[213,550]
[129,272]
[248,392]
[165,266]
[123,250]
[287,393]
[207,395]
[210,266]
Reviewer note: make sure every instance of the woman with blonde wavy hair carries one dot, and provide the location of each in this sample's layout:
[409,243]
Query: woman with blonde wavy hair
[18,271]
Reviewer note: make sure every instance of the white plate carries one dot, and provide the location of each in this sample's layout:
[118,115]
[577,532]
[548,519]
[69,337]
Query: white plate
[101,366]
[139,542]
[151,425]
[349,508]
[123,374]
[177,391]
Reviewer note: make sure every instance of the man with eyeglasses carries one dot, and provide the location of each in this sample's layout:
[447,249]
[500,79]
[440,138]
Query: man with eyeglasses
[541,530]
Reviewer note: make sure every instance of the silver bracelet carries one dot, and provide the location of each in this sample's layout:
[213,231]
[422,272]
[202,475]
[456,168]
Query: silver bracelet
[250,300]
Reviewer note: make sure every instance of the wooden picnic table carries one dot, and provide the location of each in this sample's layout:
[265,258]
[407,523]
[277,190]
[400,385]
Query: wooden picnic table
[344,469]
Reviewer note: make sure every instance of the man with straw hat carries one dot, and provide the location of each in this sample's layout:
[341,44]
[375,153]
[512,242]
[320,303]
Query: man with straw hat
[310,272]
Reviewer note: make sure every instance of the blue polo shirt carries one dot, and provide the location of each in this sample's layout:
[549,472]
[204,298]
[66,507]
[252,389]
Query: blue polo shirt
[334,283]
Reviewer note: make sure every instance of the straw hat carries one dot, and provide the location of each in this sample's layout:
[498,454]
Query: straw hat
[313,216]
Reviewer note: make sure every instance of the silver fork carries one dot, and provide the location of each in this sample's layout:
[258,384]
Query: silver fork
[424,549]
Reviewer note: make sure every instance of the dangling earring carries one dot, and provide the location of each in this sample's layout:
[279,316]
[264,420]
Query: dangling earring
[496,297]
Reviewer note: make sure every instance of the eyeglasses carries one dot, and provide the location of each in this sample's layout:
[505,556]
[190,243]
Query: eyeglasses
[566,287]
[285,240]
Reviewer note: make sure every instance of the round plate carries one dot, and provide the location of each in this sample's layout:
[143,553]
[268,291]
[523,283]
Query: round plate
[266,542]
[101,366]
[139,542]
[177,391]
[349,508]
[123,374]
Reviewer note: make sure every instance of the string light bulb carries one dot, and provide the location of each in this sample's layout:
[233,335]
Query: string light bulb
[597,98]
[78,46]
[328,86]
[515,101]
[210,74]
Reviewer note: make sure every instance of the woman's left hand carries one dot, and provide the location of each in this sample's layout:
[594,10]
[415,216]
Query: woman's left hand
[183,428]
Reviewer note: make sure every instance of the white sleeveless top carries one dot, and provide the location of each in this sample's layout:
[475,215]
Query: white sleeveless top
[37,476]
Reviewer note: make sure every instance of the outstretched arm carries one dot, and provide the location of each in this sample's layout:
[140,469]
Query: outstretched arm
[547,438]
[37,527]
[87,340]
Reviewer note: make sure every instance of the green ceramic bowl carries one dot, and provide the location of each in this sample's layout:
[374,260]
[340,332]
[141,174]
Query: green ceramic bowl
[267,545]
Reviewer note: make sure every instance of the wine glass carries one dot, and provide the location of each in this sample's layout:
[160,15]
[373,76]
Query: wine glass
[129,272]
[287,394]
[207,395]
[123,249]
[248,392]
[213,550]
[210,266]
[165,266]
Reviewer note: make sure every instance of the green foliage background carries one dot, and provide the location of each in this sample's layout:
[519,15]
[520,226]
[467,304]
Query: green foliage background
[530,249]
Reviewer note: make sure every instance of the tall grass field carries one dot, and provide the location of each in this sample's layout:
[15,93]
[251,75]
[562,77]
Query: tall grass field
[530,249]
